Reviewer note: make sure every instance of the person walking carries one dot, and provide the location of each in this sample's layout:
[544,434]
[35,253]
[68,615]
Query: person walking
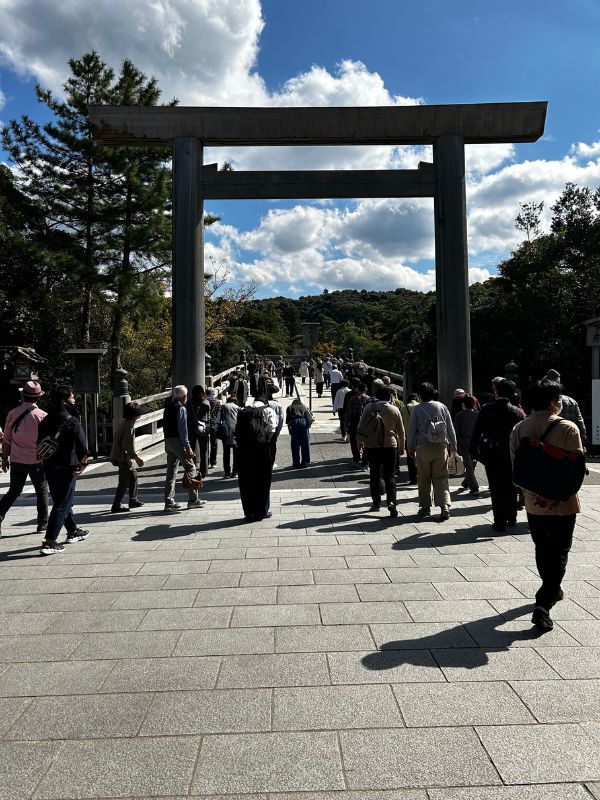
[63,467]
[319,378]
[381,431]
[570,407]
[356,405]
[490,443]
[336,378]
[18,454]
[304,370]
[226,430]
[406,410]
[242,389]
[327,367]
[288,376]
[338,406]
[276,406]
[431,436]
[198,416]
[464,425]
[254,427]
[124,456]
[299,419]
[551,524]
[213,442]
[178,448]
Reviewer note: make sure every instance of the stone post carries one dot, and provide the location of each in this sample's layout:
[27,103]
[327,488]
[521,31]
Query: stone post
[188,263]
[451,267]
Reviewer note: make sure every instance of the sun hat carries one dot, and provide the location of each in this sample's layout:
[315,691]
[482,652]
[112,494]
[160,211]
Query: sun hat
[32,390]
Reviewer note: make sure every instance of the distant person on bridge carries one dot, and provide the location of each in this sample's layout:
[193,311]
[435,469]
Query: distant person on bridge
[255,426]
[319,378]
[213,442]
[327,366]
[336,378]
[289,378]
[570,407]
[124,456]
[18,451]
[338,406]
[304,370]
[242,389]
[198,413]
[299,419]
[356,405]
[276,406]
[178,447]
[226,432]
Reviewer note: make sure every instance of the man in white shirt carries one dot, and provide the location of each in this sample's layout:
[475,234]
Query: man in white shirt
[327,372]
[336,378]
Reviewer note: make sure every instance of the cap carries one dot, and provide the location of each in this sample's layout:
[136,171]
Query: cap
[459,393]
[32,390]
[552,375]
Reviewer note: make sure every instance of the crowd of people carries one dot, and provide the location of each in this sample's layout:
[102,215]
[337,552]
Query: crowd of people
[50,448]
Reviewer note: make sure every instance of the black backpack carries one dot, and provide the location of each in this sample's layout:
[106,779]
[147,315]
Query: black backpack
[546,470]
[251,426]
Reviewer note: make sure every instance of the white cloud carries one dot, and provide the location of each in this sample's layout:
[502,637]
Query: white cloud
[2,99]
[584,150]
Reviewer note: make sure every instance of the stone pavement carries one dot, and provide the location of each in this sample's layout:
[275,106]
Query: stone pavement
[325,653]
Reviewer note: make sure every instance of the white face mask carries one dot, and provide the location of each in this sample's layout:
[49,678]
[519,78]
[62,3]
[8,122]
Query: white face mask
[559,406]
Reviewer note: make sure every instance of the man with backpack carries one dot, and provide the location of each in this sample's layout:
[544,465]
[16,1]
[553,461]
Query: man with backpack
[255,425]
[356,405]
[381,431]
[490,444]
[430,437]
[299,419]
[551,522]
[226,432]
[18,453]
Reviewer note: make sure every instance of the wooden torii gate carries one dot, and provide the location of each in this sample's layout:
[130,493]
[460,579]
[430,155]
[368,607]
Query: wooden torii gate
[447,127]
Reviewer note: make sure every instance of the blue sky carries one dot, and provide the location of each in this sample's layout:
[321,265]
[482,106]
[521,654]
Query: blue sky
[336,52]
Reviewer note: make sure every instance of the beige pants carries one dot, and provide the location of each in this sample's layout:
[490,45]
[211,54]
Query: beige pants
[432,468]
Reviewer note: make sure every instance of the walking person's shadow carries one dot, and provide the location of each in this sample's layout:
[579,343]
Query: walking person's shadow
[465,645]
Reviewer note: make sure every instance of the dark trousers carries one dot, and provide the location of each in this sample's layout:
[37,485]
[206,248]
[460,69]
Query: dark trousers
[213,448]
[62,490]
[327,378]
[128,481]
[289,386]
[254,475]
[382,462]
[18,476]
[319,388]
[228,450]
[354,446]
[334,390]
[342,423]
[200,449]
[300,441]
[553,537]
[411,463]
[503,492]
[273,446]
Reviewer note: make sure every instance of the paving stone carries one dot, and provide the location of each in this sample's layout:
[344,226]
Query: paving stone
[327,562]
[319,639]
[40,678]
[274,762]
[162,674]
[113,569]
[350,576]
[216,553]
[542,753]
[563,791]
[335,707]
[167,619]
[216,711]
[82,717]
[420,636]
[565,610]
[450,704]
[135,583]
[96,621]
[244,565]
[590,604]
[402,758]
[449,557]
[351,613]
[475,590]
[46,586]
[22,602]
[11,709]
[256,616]
[214,580]
[394,558]
[12,624]
[449,610]
[130,644]
[394,794]
[572,662]
[383,667]
[175,568]
[242,596]
[423,574]
[573,589]
[341,550]
[43,647]
[585,632]
[516,634]
[122,767]
[269,670]
[226,641]
[165,598]
[276,578]
[483,664]
[317,594]
[390,592]
[561,701]
[511,574]
[22,764]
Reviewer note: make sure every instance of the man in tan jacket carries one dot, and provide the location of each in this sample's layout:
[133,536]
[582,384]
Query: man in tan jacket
[381,431]
[551,523]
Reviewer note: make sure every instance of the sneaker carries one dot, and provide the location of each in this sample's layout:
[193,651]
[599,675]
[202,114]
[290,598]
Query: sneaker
[560,596]
[78,535]
[172,507]
[445,513]
[234,474]
[135,504]
[474,491]
[41,528]
[392,509]
[511,523]
[375,507]
[51,548]
[118,509]
[197,503]
[424,512]
[541,619]
[499,528]
[275,466]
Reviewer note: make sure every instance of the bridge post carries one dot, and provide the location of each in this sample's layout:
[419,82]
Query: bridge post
[188,263]
[451,267]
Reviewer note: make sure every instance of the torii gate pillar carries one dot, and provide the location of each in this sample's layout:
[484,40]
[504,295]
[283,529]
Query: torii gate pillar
[451,267]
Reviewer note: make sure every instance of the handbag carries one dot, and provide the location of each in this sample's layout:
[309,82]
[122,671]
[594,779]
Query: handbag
[456,466]
[48,445]
[191,483]
[547,471]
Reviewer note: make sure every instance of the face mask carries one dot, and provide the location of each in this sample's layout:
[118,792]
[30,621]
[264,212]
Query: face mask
[559,407]
[71,408]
